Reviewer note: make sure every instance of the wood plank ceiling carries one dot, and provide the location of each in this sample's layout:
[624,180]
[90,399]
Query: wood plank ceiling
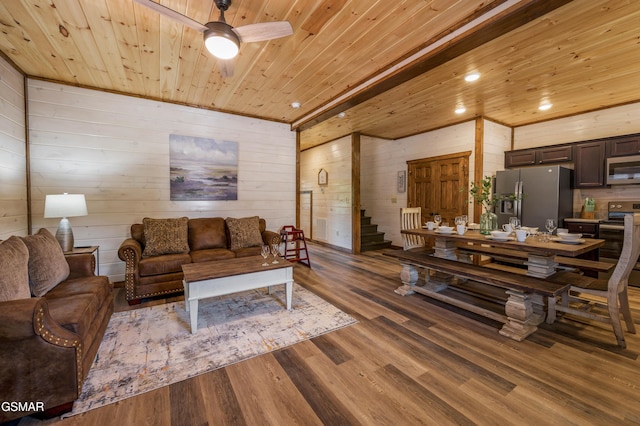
[394,68]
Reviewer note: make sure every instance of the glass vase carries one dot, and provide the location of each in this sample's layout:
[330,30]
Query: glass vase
[488,222]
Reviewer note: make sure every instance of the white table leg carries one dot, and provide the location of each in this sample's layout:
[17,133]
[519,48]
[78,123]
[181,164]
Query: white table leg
[192,307]
[289,291]
[186,295]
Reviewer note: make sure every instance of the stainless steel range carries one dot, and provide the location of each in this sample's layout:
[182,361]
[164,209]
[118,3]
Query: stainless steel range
[612,229]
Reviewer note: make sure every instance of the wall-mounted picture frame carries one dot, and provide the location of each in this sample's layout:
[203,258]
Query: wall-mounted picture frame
[202,169]
[402,181]
[323,177]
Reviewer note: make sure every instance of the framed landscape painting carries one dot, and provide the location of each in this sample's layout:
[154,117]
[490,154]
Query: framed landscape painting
[203,169]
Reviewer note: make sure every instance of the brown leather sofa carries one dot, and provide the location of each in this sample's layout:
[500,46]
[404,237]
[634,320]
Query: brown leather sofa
[48,343]
[208,239]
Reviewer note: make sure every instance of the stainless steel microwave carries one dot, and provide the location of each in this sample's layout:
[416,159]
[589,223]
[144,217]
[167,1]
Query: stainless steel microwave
[623,170]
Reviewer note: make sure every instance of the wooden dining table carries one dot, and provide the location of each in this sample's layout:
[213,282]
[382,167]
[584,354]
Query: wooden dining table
[522,293]
[540,254]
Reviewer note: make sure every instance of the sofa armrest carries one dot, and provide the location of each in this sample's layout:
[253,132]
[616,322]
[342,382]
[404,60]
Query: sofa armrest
[270,237]
[131,252]
[44,358]
[81,265]
[130,249]
[24,318]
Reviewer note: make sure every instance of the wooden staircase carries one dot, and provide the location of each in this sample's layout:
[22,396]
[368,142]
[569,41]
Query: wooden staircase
[370,237]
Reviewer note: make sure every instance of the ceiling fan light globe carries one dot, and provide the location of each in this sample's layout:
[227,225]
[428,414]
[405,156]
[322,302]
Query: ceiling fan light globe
[221,48]
[221,41]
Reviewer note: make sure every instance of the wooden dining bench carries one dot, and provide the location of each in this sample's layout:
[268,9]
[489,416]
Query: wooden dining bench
[519,258]
[524,308]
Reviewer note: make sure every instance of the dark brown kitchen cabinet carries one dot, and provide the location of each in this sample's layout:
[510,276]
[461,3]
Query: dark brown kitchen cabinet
[589,164]
[587,229]
[554,154]
[533,156]
[520,157]
[623,146]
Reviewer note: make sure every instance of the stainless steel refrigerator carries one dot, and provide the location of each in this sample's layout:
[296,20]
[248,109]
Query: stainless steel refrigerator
[541,193]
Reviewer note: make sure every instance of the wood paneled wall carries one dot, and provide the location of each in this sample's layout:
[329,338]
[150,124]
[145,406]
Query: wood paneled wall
[332,201]
[382,159]
[497,140]
[605,123]
[115,150]
[13,157]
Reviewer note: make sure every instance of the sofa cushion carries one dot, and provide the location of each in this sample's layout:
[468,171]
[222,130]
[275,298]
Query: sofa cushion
[163,264]
[47,265]
[211,254]
[244,232]
[14,264]
[248,251]
[207,233]
[96,285]
[165,236]
[76,313]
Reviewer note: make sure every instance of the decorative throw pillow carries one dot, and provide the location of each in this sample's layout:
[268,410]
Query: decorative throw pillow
[165,236]
[47,265]
[14,264]
[244,232]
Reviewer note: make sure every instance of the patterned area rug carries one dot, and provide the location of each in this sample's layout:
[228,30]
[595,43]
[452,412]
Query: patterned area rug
[148,348]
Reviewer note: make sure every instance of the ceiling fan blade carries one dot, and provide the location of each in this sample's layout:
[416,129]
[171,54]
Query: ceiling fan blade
[263,31]
[226,67]
[170,13]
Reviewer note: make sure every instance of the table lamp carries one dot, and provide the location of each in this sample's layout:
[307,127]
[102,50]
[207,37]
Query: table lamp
[64,206]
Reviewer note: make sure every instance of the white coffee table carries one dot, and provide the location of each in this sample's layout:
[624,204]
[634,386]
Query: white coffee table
[217,278]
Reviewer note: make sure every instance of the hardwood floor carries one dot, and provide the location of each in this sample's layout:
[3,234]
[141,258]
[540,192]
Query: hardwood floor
[409,360]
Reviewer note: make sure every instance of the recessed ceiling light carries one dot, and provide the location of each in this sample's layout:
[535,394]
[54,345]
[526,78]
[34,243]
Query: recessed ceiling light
[295,105]
[460,110]
[472,76]
[545,106]
[341,115]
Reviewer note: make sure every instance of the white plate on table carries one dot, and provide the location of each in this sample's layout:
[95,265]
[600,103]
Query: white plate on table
[438,231]
[564,241]
[491,237]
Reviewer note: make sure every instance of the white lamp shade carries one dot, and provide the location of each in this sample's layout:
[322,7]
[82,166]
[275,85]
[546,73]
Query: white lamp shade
[65,205]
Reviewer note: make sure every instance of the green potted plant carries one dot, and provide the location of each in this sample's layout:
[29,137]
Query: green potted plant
[483,196]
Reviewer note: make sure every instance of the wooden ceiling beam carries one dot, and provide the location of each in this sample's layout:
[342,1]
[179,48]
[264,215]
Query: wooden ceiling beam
[485,32]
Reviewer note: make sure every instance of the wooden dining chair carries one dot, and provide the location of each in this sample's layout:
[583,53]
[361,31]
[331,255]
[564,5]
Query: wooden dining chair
[609,295]
[411,218]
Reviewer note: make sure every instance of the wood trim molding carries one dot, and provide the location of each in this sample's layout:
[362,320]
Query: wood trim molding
[27,152]
[441,157]
[297,179]
[355,192]
[478,163]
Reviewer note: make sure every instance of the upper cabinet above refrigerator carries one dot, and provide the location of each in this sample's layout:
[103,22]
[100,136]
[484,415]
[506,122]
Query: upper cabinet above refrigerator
[532,156]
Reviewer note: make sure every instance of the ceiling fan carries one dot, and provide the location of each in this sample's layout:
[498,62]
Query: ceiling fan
[221,39]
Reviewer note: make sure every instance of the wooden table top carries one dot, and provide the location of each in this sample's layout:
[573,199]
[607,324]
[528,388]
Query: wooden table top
[531,245]
[227,267]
